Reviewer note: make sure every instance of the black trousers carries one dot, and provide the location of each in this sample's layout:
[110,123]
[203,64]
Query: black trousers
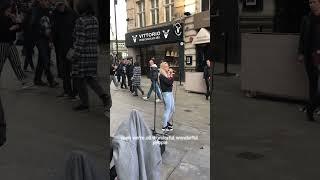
[94,85]
[130,83]
[66,77]
[314,96]
[60,57]
[28,46]
[124,81]
[136,88]
[208,87]
[119,78]
[43,61]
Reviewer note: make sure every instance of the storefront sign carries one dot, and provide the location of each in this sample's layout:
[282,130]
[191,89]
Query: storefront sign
[162,35]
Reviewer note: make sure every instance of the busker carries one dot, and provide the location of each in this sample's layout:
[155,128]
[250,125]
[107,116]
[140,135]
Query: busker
[136,79]
[9,27]
[166,84]
[207,77]
[41,26]
[153,75]
[309,53]
[63,24]
[84,60]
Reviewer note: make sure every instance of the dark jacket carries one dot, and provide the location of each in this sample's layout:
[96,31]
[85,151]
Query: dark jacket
[36,15]
[129,70]
[305,39]
[6,36]
[165,83]
[112,70]
[2,126]
[153,73]
[206,72]
[62,28]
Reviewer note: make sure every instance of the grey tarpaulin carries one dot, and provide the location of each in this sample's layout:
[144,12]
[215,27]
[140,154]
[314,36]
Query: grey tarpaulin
[136,159]
[80,167]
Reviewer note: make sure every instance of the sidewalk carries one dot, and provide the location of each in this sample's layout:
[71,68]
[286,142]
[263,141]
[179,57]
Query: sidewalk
[187,160]
[43,129]
[277,130]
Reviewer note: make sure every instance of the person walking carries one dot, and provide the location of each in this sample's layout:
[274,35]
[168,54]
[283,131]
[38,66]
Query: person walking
[119,71]
[129,73]
[84,66]
[136,79]
[41,26]
[29,43]
[8,30]
[112,76]
[207,77]
[123,70]
[63,25]
[153,76]
[309,53]
[166,84]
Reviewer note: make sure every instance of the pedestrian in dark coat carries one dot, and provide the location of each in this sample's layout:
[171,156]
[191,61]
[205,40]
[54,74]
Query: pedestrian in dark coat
[84,66]
[29,43]
[119,72]
[42,34]
[63,25]
[136,79]
[129,73]
[309,53]
[207,77]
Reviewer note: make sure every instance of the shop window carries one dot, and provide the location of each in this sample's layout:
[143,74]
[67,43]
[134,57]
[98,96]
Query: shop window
[205,4]
[141,13]
[154,12]
[168,10]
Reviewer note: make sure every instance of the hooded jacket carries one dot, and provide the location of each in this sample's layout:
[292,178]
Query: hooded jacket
[136,159]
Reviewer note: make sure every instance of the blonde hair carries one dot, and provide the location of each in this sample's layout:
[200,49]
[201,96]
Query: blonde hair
[162,70]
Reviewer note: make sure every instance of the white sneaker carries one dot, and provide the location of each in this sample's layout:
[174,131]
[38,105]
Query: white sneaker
[158,100]
[145,98]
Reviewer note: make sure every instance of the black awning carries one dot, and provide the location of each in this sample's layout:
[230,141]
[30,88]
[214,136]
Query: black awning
[160,35]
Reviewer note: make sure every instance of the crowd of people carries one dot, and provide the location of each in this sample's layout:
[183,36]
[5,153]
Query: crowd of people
[53,25]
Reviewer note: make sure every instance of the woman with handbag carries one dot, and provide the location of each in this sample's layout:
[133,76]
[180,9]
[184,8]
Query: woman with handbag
[84,64]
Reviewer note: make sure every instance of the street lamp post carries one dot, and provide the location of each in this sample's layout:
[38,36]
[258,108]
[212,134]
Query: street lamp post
[115,19]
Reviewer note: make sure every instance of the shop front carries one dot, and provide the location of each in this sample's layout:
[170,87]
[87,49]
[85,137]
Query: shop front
[163,43]
[202,39]
[201,52]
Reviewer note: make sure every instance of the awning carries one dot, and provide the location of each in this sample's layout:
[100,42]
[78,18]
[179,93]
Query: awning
[202,37]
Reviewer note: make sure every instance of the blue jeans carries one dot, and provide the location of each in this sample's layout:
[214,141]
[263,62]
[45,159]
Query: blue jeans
[154,83]
[169,107]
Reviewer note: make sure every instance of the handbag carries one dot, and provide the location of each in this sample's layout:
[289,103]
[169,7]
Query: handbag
[70,54]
